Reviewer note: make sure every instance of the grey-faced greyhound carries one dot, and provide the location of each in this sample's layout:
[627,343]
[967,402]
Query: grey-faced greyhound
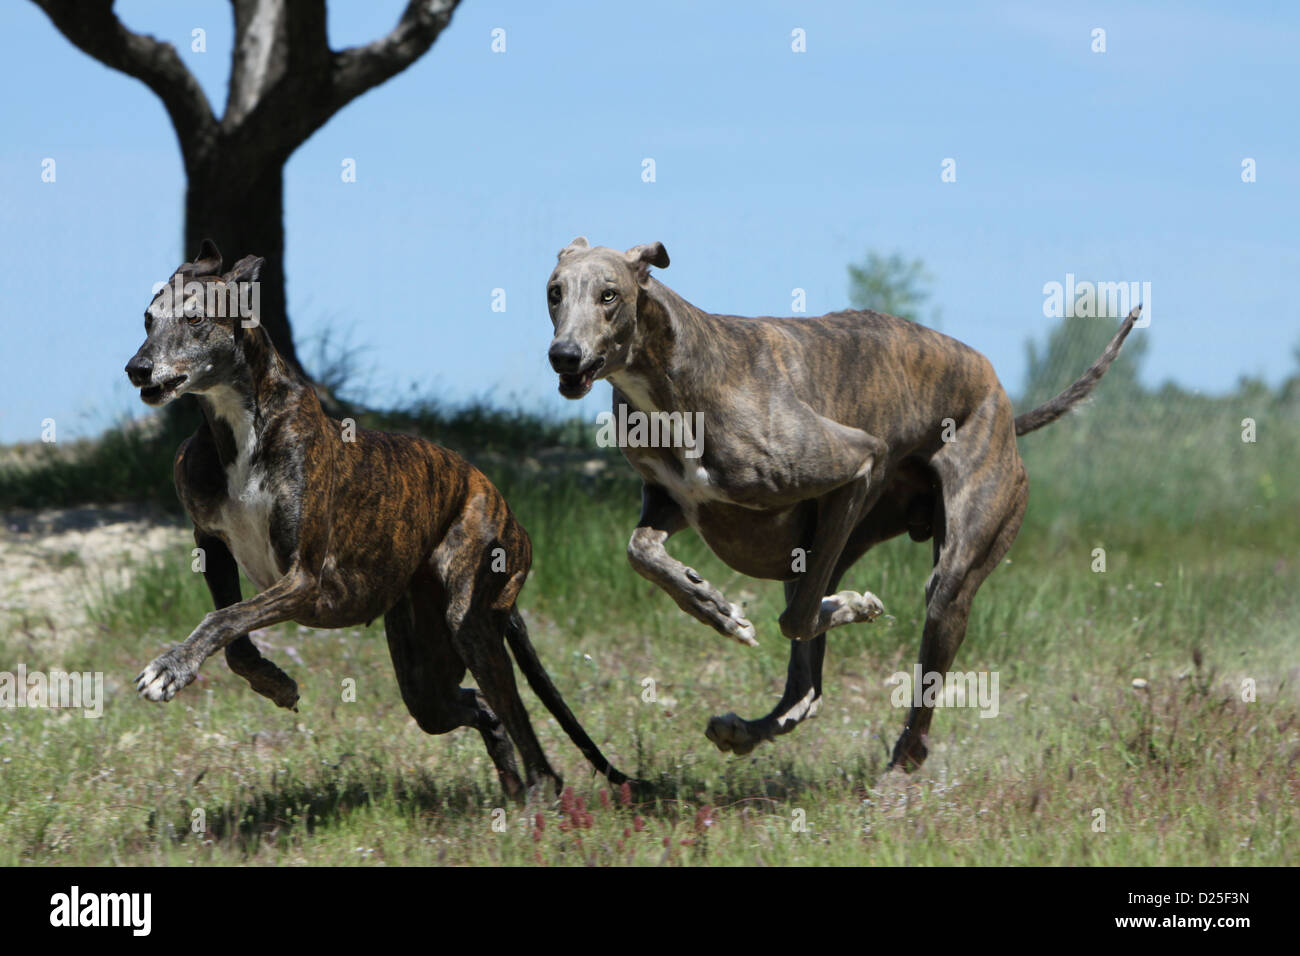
[337,526]
[823,437]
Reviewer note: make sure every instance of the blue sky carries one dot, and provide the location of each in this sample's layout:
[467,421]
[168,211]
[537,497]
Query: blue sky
[774,170]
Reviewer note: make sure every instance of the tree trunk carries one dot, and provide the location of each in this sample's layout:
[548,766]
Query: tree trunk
[240,207]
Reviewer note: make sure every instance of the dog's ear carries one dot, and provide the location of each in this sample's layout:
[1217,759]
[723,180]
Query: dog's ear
[206,263]
[577,245]
[246,269]
[641,258]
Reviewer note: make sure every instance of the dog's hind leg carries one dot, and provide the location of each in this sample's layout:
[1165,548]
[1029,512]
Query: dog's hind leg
[985,490]
[429,672]
[803,683]
[480,639]
[801,700]
[478,636]
[222,577]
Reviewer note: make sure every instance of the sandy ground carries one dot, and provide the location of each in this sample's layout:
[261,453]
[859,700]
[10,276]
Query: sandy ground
[51,559]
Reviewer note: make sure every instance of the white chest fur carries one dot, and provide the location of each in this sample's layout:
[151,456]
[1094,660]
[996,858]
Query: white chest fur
[244,521]
[687,481]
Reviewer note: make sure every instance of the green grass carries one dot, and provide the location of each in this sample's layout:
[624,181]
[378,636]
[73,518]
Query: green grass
[133,462]
[1198,596]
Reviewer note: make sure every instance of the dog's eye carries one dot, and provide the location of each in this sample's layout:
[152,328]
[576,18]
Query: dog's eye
[554,294]
[193,320]
[609,295]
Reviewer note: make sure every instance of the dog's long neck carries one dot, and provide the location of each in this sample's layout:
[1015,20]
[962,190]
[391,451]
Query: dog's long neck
[240,411]
[678,347]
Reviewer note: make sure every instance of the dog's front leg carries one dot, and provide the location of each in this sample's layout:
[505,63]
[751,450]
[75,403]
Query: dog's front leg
[222,576]
[660,518]
[282,601]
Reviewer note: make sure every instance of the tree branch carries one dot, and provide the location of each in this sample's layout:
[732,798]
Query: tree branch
[361,68]
[308,84]
[92,27]
[281,57]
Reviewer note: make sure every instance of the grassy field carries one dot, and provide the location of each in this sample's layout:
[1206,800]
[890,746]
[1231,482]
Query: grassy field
[1199,530]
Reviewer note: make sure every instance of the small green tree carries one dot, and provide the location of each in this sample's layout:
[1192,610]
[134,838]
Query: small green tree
[891,284]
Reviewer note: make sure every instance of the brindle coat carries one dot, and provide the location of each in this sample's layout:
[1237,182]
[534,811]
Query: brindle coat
[823,437]
[336,529]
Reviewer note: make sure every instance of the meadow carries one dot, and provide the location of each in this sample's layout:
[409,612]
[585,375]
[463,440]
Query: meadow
[1148,713]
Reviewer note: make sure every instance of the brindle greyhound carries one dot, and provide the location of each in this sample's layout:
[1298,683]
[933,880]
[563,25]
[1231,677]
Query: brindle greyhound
[336,528]
[825,437]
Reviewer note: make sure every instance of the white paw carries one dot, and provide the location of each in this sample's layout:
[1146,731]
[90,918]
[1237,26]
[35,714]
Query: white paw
[849,607]
[163,679]
[870,606]
[740,628]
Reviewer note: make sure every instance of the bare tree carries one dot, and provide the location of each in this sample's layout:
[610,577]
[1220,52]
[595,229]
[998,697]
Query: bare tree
[285,83]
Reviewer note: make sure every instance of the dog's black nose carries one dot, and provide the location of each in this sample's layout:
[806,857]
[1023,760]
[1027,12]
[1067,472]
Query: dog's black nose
[565,356]
[139,371]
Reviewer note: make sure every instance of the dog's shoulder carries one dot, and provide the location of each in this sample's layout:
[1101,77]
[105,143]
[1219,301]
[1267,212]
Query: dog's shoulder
[196,471]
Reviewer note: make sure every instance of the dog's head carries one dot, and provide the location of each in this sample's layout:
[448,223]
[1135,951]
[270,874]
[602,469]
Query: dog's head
[195,327]
[593,296]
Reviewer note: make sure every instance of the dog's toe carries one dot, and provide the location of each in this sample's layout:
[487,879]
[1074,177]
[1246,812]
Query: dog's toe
[909,752]
[162,679]
[870,606]
[741,629]
[283,692]
[848,607]
[152,684]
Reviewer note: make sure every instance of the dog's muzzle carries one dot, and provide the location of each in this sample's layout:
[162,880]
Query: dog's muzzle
[158,393]
[578,384]
[566,359]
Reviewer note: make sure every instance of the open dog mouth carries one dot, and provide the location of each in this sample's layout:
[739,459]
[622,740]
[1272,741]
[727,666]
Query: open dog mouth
[578,384]
[156,394]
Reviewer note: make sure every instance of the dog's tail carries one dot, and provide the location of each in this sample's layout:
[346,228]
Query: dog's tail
[540,682]
[1049,412]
